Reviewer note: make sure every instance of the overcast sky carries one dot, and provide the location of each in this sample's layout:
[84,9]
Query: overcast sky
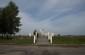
[56,16]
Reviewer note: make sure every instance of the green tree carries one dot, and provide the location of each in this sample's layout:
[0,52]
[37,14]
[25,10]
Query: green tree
[0,19]
[10,23]
[2,22]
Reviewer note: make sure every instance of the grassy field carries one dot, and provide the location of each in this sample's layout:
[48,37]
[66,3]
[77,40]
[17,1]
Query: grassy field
[68,40]
[17,40]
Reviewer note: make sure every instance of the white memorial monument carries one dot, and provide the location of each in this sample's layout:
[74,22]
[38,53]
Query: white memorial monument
[41,32]
[30,34]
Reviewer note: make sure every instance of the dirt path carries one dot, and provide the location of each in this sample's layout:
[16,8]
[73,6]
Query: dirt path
[42,40]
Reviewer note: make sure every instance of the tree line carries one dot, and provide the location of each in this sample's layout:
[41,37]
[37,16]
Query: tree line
[9,20]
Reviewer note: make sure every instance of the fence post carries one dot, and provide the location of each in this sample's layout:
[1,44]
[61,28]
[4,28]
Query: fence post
[34,39]
[51,40]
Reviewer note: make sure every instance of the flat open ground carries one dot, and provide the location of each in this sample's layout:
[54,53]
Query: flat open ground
[40,50]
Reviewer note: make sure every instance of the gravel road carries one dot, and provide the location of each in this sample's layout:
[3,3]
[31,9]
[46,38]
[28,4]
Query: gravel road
[38,50]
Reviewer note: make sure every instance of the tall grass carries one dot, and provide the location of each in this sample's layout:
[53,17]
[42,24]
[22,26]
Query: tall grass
[68,40]
[17,40]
